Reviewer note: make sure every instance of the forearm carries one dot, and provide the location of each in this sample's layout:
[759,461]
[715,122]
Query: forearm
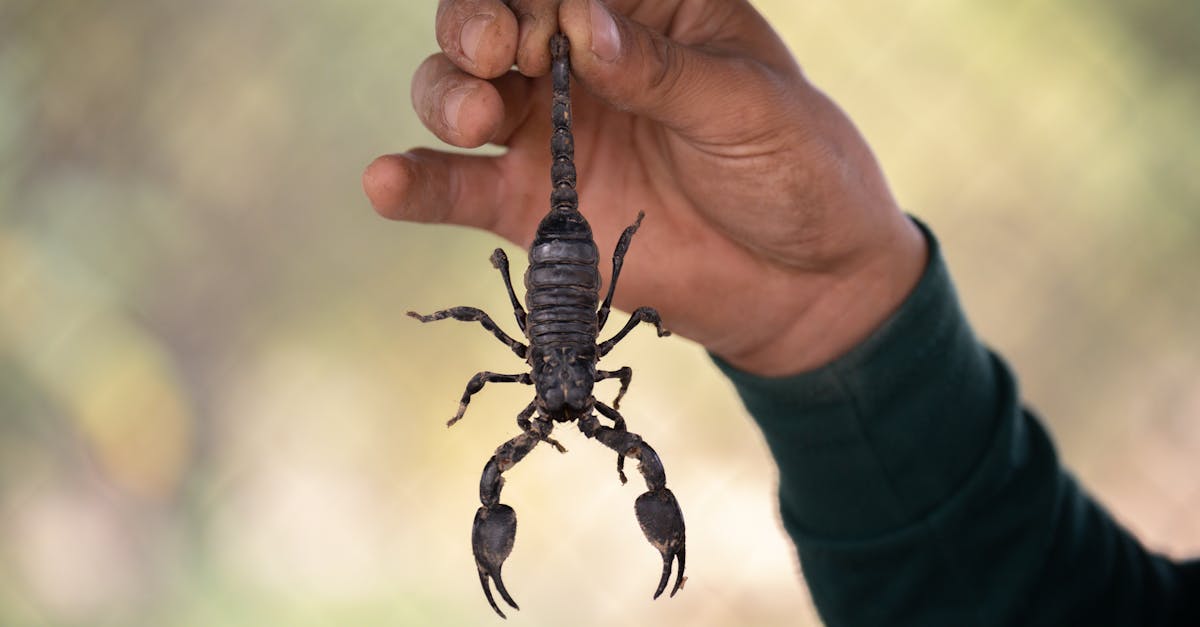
[918,491]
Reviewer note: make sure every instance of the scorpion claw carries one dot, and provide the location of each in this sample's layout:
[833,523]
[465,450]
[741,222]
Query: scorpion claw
[487,591]
[492,538]
[661,520]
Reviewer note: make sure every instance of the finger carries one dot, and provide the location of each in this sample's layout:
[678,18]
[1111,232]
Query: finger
[520,108]
[638,69]
[479,36]
[466,111]
[438,187]
[460,109]
[537,21]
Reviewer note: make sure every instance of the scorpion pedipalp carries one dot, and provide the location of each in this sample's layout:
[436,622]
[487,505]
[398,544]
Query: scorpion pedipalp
[495,526]
[658,512]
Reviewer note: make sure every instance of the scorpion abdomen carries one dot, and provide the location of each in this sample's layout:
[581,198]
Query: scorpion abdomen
[562,283]
[562,300]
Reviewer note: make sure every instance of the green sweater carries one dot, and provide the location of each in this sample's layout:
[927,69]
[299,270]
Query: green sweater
[919,491]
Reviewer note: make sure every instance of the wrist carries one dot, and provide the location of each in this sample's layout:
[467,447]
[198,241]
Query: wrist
[825,316]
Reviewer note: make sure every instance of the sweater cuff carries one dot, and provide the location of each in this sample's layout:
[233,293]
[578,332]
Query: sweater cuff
[878,438]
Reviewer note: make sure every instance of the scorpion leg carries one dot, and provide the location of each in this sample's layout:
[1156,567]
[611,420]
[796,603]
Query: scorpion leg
[618,259]
[641,314]
[527,426]
[500,262]
[476,384]
[618,425]
[471,314]
[625,374]
[657,510]
[495,526]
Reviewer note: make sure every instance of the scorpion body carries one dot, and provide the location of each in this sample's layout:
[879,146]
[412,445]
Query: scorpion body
[564,319]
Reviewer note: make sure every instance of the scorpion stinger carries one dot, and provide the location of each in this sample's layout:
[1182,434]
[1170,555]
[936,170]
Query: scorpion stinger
[562,319]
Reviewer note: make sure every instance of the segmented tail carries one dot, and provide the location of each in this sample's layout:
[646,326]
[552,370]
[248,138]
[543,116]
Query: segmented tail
[562,143]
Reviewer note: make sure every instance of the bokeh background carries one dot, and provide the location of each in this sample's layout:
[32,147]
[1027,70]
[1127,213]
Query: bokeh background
[212,411]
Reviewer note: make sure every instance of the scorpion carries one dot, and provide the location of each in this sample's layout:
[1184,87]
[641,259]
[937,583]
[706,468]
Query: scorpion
[563,323]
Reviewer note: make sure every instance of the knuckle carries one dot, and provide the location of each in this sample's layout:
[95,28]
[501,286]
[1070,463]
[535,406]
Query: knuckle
[447,24]
[426,82]
[427,96]
[533,47]
[457,107]
[485,48]
[666,66]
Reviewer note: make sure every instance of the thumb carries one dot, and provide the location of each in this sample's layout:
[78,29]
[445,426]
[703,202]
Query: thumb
[637,69]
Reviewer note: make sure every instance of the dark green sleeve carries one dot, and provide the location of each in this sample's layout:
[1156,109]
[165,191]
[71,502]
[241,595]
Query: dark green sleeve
[918,491]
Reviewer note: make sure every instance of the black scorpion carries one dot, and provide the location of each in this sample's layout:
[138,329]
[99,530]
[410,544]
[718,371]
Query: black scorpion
[562,290]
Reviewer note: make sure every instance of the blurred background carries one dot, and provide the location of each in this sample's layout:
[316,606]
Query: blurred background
[212,411]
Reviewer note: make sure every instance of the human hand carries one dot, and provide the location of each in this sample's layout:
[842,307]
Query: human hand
[770,235]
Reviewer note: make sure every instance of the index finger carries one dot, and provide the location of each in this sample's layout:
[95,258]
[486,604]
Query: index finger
[479,36]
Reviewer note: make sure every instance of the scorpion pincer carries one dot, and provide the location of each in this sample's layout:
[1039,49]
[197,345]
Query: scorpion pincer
[563,323]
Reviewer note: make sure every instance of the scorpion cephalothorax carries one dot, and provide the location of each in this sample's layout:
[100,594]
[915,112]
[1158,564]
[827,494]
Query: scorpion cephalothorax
[562,292]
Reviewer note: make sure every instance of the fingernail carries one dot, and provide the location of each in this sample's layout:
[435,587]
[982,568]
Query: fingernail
[606,39]
[471,34]
[450,106]
[525,26]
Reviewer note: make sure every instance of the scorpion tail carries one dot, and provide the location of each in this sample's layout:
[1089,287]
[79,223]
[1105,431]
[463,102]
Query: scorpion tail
[562,142]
